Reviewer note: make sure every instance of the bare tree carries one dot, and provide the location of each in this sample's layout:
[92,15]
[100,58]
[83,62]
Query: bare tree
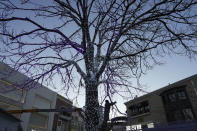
[105,42]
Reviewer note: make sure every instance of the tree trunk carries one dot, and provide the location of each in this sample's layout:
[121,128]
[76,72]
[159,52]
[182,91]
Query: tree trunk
[91,107]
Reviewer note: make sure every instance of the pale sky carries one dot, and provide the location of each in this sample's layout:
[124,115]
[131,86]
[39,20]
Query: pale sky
[174,69]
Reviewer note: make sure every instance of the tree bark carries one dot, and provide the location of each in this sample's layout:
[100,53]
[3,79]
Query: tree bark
[91,106]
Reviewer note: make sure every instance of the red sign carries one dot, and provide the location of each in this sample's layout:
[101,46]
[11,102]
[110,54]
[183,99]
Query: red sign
[59,123]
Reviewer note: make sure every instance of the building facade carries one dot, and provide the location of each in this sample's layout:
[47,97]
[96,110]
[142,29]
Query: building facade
[62,120]
[12,97]
[77,122]
[8,122]
[15,96]
[67,121]
[39,98]
[173,103]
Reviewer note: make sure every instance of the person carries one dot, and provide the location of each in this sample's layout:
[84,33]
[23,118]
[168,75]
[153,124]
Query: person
[106,114]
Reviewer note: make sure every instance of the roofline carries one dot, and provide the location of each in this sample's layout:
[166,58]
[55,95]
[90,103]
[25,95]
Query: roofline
[67,100]
[162,88]
[12,70]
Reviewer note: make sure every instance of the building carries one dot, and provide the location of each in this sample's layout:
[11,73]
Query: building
[77,122]
[173,103]
[14,95]
[118,123]
[39,98]
[8,122]
[62,120]
[67,121]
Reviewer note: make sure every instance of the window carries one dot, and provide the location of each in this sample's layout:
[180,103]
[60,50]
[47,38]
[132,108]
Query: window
[139,108]
[11,91]
[133,109]
[41,102]
[188,115]
[181,95]
[147,108]
[38,121]
[172,97]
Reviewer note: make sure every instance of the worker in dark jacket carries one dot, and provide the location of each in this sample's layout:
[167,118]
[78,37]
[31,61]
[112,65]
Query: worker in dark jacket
[106,114]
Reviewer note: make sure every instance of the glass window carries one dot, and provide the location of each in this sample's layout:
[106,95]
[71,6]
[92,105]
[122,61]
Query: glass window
[38,120]
[133,110]
[12,92]
[188,115]
[147,108]
[172,97]
[181,95]
[42,103]
[139,108]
